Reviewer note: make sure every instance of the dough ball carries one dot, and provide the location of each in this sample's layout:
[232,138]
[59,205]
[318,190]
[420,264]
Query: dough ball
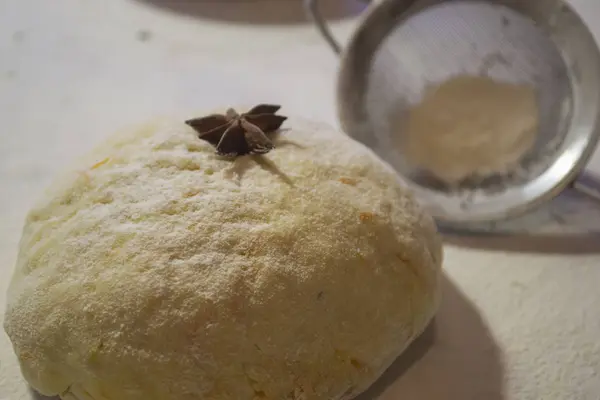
[471,126]
[157,270]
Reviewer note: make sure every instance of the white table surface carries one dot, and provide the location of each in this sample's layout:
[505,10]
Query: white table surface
[521,316]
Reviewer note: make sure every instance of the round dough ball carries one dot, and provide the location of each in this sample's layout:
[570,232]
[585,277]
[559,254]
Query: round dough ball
[157,270]
[472,126]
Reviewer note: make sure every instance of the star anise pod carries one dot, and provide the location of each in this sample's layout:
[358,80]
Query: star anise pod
[236,134]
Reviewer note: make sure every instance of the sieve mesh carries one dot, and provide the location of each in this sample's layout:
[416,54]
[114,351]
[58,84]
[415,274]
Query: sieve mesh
[476,38]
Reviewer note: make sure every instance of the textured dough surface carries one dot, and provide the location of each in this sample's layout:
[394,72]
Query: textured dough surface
[472,126]
[157,270]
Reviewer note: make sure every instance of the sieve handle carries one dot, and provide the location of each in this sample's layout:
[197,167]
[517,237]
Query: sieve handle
[588,184]
[313,12]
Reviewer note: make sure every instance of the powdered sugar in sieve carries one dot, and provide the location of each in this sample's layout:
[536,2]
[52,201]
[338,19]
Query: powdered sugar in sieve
[468,38]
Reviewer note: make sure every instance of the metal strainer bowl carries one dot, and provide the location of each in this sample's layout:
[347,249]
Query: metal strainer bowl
[403,46]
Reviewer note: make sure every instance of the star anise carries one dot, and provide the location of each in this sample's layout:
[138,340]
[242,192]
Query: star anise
[236,134]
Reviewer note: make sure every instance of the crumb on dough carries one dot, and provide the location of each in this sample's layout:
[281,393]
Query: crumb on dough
[366,216]
[100,163]
[348,181]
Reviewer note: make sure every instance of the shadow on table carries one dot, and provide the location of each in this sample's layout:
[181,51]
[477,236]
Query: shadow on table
[570,224]
[455,358]
[523,243]
[36,396]
[257,12]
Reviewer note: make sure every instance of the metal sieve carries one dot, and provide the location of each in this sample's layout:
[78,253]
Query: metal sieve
[401,47]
